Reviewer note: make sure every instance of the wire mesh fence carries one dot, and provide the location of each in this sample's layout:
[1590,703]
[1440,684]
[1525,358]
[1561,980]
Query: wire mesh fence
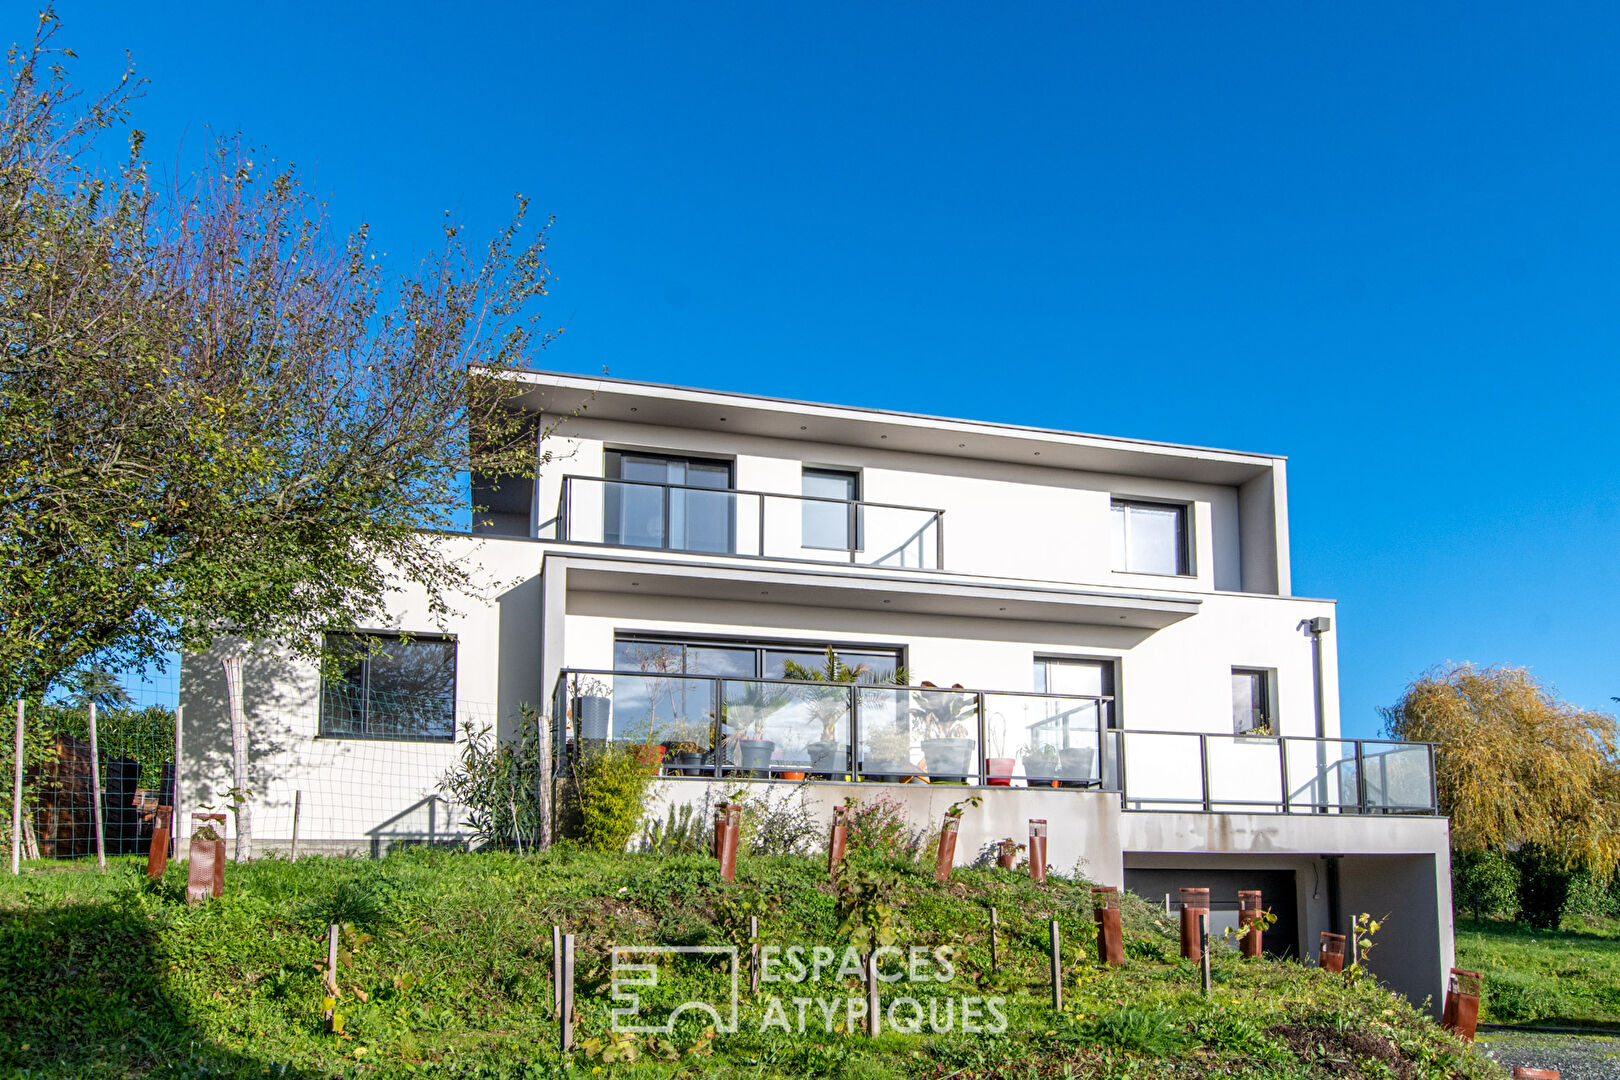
[312,787]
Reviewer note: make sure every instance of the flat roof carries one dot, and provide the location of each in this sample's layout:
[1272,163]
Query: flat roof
[599,396]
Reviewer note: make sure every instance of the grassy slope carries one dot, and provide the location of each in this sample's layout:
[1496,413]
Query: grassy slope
[107,976]
[1569,976]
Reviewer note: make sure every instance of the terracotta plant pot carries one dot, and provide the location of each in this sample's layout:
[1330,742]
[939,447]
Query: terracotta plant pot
[945,854]
[1110,935]
[1001,770]
[836,840]
[1521,1072]
[1461,1014]
[1249,910]
[1330,957]
[1037,849]
[730,828]
[650,756]
[157,856]
[1194,902]
[791,775]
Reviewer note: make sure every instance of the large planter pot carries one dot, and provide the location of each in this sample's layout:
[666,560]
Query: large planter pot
[754,755]
[1074,765]
[1001,770]
[886,772]
[949,759]
[688,763]
[650,756]
[595,717]
[829,760]
[1041,772]
[790,774]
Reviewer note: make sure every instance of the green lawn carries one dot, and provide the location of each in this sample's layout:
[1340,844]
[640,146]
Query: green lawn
[1569,976]
[446,974]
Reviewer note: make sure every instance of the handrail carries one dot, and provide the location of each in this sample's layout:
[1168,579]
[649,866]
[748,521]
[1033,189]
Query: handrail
[747,491]
[1111,744]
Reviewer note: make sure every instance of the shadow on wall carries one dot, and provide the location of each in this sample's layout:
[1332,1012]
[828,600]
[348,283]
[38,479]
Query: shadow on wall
[517,674]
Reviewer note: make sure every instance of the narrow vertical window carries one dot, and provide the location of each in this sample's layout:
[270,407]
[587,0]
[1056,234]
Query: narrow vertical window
[832,525]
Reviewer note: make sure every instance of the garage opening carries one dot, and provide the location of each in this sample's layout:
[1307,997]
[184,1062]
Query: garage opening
[1277,894]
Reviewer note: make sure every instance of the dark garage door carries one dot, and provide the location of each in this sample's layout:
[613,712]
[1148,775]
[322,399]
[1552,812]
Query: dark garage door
[1276,888]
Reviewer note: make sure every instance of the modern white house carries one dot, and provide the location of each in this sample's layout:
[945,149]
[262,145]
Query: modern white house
[1107,627]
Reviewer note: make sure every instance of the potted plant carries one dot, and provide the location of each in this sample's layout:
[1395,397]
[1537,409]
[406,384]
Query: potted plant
[1074,765]
[685,754]
[888,753]
[829,706]
[750,711]
[944,716]
[1041,765]
[998,765]
[593,710]
[1007,853]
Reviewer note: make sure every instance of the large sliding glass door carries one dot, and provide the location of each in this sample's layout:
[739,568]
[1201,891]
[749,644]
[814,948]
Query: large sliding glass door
[655,505]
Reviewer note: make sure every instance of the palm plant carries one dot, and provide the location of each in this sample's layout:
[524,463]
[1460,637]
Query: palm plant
[827,704]
[944,714]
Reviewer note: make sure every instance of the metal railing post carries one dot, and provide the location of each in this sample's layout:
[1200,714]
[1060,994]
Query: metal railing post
[939,542]
[854,733]
[1124,767]
[669,541]
[761,515]
[1361,780]
[1203,766]
[1434,791]
[564,531]
[719,739]
[1282,763]
[984,734]
[854,545]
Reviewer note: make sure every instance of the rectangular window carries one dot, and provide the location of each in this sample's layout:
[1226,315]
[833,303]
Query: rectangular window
[390,686]
[742,660]
[1150,538]
[829,525]
[667,502]
[1251,699]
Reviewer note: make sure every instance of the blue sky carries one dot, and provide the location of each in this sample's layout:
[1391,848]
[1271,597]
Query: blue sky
[1382,239]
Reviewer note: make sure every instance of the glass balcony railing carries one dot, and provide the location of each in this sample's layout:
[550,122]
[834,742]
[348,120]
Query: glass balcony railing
[756,524]
[783,729]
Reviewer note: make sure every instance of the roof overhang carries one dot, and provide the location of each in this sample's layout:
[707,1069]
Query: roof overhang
[710,410]
[880,592]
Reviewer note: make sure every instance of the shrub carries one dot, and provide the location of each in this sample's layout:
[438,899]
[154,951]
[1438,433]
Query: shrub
[778,822]
[682,832]
[1591,896]
[1485,884]
[1543,886]
[610,789]
[880,827]
[496,782]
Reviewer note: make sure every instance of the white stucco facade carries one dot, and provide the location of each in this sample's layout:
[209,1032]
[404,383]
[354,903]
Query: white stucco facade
[998,551]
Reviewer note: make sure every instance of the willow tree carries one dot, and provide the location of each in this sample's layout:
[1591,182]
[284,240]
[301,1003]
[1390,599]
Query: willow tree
[1517,766]
[218,414]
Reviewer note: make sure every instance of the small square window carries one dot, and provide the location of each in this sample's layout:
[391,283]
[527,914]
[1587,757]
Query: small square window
[389,686]
[1150,538]
[1251,700]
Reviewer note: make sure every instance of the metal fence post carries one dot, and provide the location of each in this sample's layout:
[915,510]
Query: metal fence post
[566,1019]
[854,734]
[16,794]
[1203,768]
[180,850]
[1282,761]
[95,794]
[1361,780]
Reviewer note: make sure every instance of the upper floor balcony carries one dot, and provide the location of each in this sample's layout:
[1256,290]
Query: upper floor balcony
[721,520]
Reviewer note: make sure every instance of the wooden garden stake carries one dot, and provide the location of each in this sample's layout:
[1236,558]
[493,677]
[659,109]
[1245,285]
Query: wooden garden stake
[995,960]
[753,954]
[16,794]
[556,971]
[1203,948]
[566,1021]
[331,959]
[1057,967]
[298,808]
[872,1025]
[95,794]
